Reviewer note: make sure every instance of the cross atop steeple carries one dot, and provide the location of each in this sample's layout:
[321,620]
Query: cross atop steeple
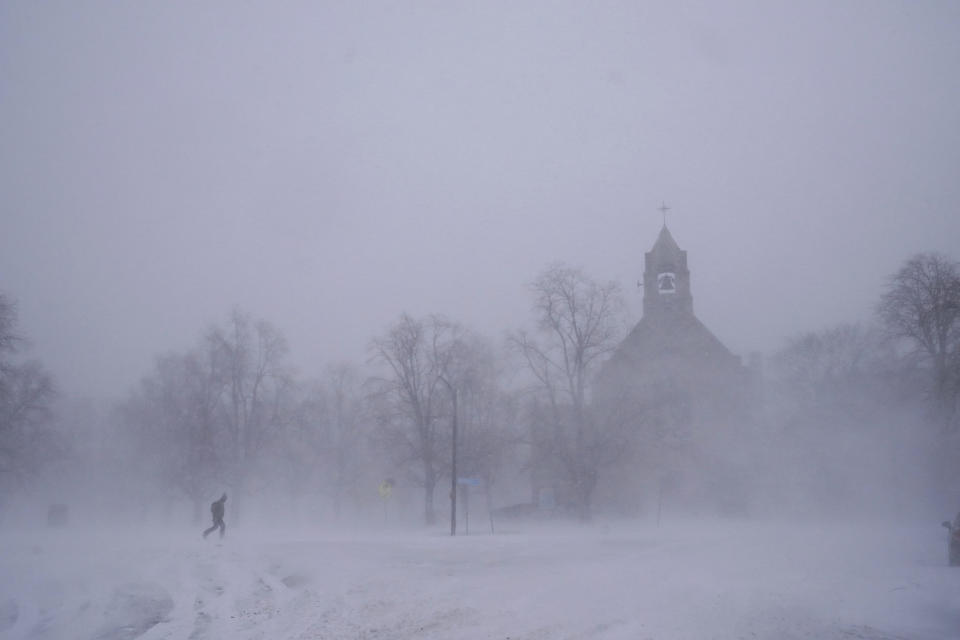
[663,208]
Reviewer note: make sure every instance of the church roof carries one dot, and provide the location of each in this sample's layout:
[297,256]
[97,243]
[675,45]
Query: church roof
[681,337]
[665,242]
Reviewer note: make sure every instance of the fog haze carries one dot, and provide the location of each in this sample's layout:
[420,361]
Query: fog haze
[372,271]
[329,166]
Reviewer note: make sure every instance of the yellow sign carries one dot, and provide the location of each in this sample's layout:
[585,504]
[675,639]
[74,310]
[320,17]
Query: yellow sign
[386,488]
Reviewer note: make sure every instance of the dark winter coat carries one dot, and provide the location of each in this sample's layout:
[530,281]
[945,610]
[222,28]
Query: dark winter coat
[216,508]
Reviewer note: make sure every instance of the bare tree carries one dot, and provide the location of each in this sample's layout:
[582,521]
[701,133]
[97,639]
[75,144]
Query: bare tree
[176,420]
[10,340]
[330,435]
[922,304]
[838,371]
[209,416]
[305,447]
[412,398]
[841,402]
[251,358]
[579,324]
[26,397]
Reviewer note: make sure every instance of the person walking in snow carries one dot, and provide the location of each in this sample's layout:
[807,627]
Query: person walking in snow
[216,509]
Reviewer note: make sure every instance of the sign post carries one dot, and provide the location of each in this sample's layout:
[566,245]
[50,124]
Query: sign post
[466,483]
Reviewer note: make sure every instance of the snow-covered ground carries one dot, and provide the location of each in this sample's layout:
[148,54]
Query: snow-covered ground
[630,581]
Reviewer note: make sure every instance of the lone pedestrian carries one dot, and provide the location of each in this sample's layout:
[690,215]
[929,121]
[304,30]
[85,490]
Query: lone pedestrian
[216,509]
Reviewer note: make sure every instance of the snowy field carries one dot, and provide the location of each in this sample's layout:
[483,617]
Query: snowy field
[697,581]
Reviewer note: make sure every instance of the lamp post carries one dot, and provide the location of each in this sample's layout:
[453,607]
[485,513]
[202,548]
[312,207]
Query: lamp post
[453,460]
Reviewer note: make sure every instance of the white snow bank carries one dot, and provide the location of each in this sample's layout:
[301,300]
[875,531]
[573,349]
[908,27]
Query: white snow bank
[694,581]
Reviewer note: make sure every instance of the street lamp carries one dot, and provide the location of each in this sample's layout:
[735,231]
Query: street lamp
[453,460]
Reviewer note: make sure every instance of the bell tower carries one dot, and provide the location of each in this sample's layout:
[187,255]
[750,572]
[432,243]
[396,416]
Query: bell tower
[666,279]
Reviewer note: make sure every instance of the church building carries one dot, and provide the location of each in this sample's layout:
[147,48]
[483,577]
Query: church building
[689,396]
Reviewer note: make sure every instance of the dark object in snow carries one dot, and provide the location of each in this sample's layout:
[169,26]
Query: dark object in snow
[295,580]
[953,541]
[216,510]
[58,515]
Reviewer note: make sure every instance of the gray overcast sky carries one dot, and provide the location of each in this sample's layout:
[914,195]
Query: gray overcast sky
[329,165]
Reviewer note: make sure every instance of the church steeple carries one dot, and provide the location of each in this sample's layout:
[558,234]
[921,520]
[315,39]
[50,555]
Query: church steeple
[666,278]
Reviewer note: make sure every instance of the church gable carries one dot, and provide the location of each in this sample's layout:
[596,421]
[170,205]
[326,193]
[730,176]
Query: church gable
[685,338]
